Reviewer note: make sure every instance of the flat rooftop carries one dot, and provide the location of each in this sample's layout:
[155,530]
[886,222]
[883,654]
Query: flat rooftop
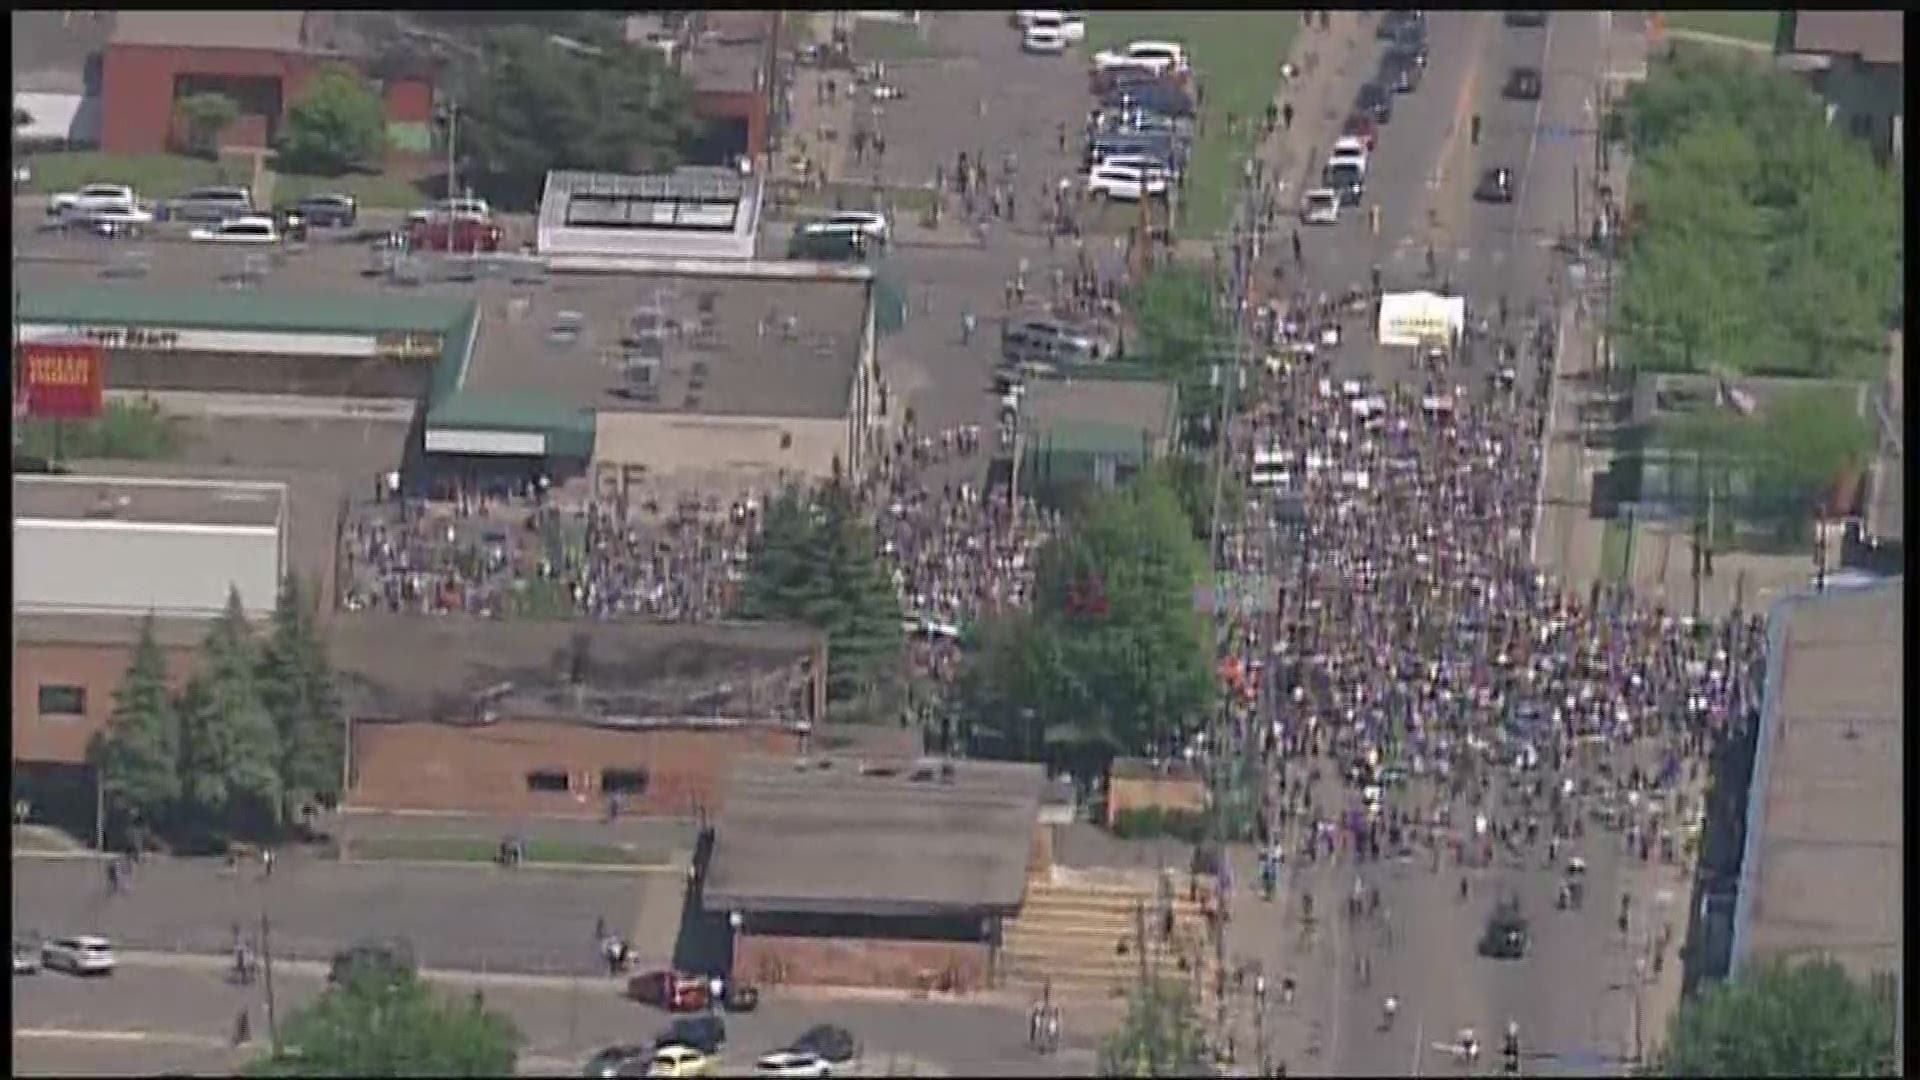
[108,498]
[99,629]
[422,667]
[1824,852]
[834,835]
[655,342]
[1130,403]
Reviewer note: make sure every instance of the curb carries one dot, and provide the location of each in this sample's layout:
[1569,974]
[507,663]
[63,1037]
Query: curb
[538,867]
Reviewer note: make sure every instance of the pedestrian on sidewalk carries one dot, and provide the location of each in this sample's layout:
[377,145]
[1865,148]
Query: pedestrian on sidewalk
[1286,116]
[1298,259]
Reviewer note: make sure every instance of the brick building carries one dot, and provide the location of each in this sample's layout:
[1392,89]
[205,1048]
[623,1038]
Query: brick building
[557,718]
[261,59]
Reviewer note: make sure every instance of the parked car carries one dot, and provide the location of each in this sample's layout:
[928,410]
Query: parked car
[1496,186]
[464,207]
[330,210]
[1073,23]
[1162,56]
[252,229]
[1041,40]
[455,233]
[1158,96]
[1121,183]
[830,1041]
[1349,148]
[93,197]
[1321,207]
[114,221]
[677,1060]
[1361,126]
[1373,100]
[1346,180]
[867,223]
[1394,23]
[669,989]
[793,1063]
[706,1033]
[1409,49]
[212,205]
[623,1060]
[838,245]
[1523,84]
[1044,341]
[79,954]
[1526,19]
[1400,73]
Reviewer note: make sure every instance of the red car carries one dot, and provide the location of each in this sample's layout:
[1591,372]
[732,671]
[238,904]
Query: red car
[673,991]
[1361,126]
[460,233]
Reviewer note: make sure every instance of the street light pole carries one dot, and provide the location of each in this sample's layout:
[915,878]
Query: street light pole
[452,112]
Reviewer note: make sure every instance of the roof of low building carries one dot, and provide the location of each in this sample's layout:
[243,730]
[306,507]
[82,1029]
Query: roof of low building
[1876,37]
[276,31]
[1120,408]
[1821,873]
[289,312]
[148,501]
[839,836]
[461,669]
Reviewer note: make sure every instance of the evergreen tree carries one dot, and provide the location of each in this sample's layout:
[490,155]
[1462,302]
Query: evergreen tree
[391,1023]
[297,688]
[815,564]
[230,750]
[139,753]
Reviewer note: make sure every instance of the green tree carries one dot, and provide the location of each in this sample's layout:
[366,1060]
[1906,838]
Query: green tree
[606,106]
[1811,1019]
[336,125]
[139,752]
[1113,657]
[1809,440]
[230,750]
[202,118]
[1707,85]
[297,688]
[388,1022]
[815,564]
[1161,1035]
[1178,335]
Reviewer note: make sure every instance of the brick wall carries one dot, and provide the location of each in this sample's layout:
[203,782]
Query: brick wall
[427,766]
[1171,793]
[771,960]
[97,670]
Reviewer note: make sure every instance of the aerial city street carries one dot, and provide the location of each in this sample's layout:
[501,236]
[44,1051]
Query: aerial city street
[1031,543]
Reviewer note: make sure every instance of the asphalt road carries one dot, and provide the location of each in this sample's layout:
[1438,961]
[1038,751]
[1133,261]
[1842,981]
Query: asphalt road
[1572,995]
[176,1013]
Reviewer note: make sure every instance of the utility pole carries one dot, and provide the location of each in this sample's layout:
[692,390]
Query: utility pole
[266,957]
[451,112]
[1699,521]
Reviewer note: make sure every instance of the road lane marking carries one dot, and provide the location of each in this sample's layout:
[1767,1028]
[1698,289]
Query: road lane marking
[78,1035]
[1533,132]
[1463,108]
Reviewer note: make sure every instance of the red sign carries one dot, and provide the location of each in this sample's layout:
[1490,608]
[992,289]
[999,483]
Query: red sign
[62,380]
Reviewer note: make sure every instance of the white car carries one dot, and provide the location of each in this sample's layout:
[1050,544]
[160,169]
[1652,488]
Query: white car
[251,229]
[1043,41]
[458,208]
[1146,163]
[1071,24]
[81,954]
[799,1063]
[865,222]
[1159,57]
[1350,148]
[93,197]
[1321,207]
[118,221]
[1124,183]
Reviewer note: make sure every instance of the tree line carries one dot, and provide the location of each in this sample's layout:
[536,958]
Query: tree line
[253,741]
[1763,240]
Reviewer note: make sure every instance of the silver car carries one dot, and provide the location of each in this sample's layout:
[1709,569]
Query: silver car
[211,205]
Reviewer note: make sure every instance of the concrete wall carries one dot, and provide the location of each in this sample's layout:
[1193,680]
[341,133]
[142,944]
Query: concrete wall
[1129,793]
[770,960]
[441,767]
[98,671]
[684,451]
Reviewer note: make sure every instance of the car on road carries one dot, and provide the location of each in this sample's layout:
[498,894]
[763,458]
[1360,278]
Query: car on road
[1395,23]
[1505,936]
[251,229]
[1150,163]
[79,954]
[670,989]
[1124,183]
[794,1063]
[1041,40]
[110,221]
[679,1060]
[1410,50]
[1349,148]
[1347,180]
[843,245]
[1496,186]
[1363,127]
[1321,207]
[1160,56]
[1158,96]
[1026,342]
[831,1042]
[1074,23]
[456,233]
[1373,100]
[212,205]
[867,223]
[1523,84]
[93,197]
[706,1033]
[623,1060]
[466,207]
[329,210]
[1400,73]
[1526,19]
